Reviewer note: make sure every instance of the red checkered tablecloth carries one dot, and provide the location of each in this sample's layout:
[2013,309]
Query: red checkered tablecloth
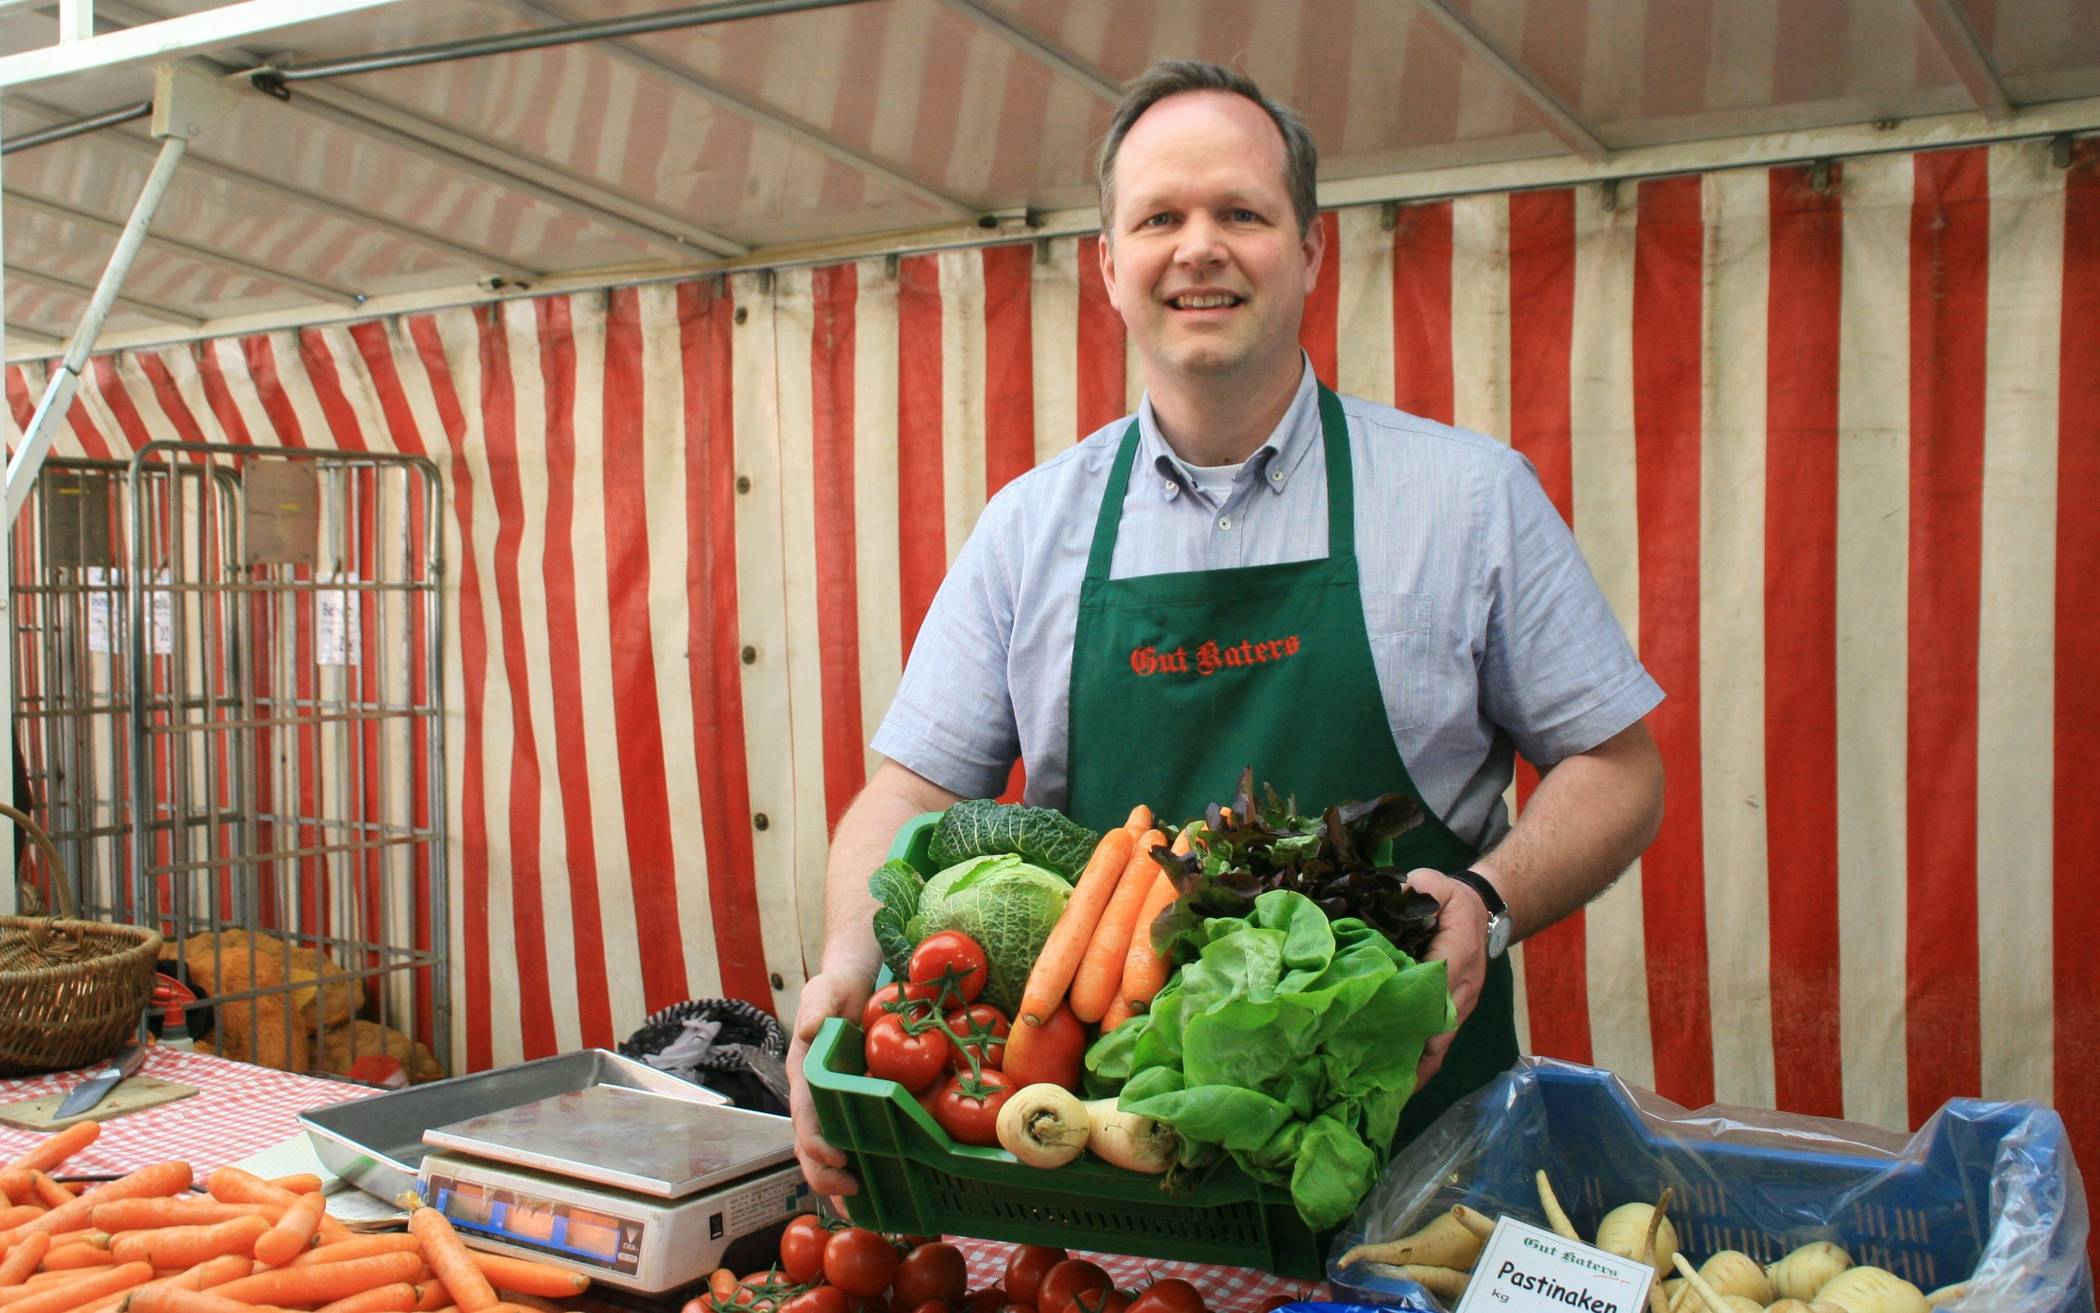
[1225,1289]
[238,1109]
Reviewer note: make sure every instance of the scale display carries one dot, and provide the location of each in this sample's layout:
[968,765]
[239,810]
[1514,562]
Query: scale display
[547,1225]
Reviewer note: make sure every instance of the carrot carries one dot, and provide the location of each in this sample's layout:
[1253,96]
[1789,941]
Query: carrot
[11,1218]
[324,1283]
[293,1232]
[86,1288]
[1145,968]
[169,1297]
[1059,960]
[14,1184]
[395,1297]
[529,1278]
[65,1258]
[432,1295]
[187,1246]
[49,1192]
[448,1257]
[23,1259]
[56,1148]
[1140,819]
[363,1246]
[298,1183]
[158,1179]
[86,1235]
[151,1214]
[1101,965]
[231,1185]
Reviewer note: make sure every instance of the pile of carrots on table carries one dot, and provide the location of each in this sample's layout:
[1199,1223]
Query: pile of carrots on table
[146,1243]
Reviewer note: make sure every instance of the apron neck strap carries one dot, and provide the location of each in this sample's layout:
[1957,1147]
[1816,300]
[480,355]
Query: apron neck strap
[1341,490]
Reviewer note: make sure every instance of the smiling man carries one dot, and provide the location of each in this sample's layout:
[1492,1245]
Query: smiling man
[1253,570]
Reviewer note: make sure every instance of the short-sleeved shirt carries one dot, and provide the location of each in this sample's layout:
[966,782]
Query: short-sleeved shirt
[1489,634]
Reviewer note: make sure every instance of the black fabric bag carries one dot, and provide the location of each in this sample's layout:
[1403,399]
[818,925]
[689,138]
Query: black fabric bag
[727,1068]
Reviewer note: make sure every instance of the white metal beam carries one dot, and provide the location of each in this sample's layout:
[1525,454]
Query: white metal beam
[632,54]
[356,215]
[201,255]
[76,20]
[172,38]
[1959,42]
[1560,118]
[1053,57]
[166,314]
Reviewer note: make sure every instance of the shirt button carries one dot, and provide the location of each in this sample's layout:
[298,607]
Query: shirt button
[1224,521]
[1276,476]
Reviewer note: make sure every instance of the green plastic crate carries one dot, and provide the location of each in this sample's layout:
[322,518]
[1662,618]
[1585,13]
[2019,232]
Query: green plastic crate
[915,1180]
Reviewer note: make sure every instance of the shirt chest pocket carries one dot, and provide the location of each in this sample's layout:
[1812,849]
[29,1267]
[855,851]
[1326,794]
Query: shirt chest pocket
[1402,646]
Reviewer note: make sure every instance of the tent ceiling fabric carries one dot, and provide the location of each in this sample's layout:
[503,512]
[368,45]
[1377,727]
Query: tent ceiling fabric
[888,121]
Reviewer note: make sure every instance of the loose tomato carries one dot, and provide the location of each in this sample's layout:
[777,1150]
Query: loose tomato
[989,1300]
[1172,1295]
[968,1108]
[980,1027]
[914,1061]
[802,1250]
[817,1299]
[1053,1055]
[859,1261]
[1066,1279]
[930,1272]
[951,962]
[896,991]
[1025,1267]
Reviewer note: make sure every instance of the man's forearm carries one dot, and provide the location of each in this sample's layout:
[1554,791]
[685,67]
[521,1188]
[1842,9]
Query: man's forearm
[860,844]
[1589,818]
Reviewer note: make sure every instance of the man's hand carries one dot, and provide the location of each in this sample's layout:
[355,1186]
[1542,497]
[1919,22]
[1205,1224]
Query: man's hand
[1461,945]
[823,996]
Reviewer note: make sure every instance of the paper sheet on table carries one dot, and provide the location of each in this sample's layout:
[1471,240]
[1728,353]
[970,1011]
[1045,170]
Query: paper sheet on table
[346,1203]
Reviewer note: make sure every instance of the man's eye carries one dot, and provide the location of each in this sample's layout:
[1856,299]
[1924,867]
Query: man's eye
[1243,216]
[1156,221]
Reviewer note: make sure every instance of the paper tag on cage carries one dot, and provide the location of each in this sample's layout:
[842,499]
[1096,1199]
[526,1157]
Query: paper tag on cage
[163,617]
[99,582]
[336,624]
[1525,1269]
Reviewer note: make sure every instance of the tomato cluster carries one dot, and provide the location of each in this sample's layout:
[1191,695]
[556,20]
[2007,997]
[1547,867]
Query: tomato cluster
[929,1033]
[830,1267]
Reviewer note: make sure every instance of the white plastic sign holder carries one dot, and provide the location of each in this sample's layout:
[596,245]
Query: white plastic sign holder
[1525,1269]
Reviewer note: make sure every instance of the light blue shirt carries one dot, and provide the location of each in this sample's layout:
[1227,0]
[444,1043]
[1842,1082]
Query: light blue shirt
[1489,634]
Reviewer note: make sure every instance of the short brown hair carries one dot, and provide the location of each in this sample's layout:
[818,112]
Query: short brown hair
[1172,77]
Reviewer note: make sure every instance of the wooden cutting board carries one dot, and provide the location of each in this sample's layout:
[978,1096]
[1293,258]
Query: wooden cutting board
[132,1095]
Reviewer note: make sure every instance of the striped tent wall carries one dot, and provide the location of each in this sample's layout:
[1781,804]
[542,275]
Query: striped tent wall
[1819,433]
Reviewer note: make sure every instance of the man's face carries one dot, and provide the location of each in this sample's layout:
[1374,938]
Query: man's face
[1203,256]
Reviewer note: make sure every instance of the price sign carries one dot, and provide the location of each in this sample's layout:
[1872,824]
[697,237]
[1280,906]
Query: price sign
[1525,1269]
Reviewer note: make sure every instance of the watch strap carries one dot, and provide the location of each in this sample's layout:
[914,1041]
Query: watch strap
[1498,911]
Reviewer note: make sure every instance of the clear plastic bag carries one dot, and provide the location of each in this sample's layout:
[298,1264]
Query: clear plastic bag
[1985,1192]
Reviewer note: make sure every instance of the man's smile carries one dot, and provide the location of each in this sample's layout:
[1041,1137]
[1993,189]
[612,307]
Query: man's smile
[1205,300]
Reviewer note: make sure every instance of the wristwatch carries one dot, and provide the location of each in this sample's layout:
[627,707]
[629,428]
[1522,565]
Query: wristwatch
[1498,911]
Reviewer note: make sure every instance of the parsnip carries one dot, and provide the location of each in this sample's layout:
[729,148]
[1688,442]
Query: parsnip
[1044,1125]
[1625,1231]
[1738,1304]
[1474,1220]
[1872,1290]
[1445,1242]
[1130,1140]
[1443,1282]
[1732,1272]
[1807,1269]
[1701,1293]
[1947,1294]
[1786,1306]
[1555,1216]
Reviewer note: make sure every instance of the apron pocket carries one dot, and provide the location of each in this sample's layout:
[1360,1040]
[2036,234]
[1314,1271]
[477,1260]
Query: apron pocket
[1399,627]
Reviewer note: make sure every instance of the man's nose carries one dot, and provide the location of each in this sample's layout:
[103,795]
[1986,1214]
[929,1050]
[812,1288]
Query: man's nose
[1200,243]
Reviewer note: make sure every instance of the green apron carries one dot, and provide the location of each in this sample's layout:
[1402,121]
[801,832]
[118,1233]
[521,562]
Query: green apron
[1179,681]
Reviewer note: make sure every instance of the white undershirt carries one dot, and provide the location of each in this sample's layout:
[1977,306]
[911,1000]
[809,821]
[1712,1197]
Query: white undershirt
[1215,481]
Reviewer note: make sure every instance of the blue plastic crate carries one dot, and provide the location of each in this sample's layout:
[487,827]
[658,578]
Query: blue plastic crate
[1927,1211]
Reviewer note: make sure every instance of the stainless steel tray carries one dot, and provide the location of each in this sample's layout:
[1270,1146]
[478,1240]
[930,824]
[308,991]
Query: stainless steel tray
[376,1144]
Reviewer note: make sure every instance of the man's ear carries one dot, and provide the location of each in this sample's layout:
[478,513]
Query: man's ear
[1314,245]
[1107,264]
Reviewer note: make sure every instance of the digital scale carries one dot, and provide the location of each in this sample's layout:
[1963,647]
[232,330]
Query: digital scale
[641,1190]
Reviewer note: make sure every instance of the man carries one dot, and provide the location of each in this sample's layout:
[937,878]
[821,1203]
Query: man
[1351,599]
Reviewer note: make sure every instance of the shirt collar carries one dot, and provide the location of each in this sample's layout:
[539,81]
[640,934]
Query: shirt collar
[1274,462]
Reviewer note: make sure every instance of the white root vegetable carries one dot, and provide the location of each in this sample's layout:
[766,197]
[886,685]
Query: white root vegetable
[1786,1306]
[1445,1242]
[1872,1290]
[1732,1272]
[1474,1220]
[1044,1125]
[1442,1282]
[1738,1304]
[1555,1217]
[1806,1270]
[1130,1140]
[1701,1294]
[1625,1232]
[1947,1294]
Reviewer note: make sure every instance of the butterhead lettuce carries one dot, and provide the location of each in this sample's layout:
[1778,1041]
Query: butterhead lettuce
[1289,1044]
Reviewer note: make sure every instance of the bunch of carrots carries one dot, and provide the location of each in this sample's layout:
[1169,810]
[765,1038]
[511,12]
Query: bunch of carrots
[145,1243]
[1099,959]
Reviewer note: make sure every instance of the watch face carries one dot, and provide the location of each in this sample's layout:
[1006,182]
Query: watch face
[1498,934]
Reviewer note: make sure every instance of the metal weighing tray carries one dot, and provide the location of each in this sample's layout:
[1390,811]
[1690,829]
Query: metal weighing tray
[636,1140]
[376,1144]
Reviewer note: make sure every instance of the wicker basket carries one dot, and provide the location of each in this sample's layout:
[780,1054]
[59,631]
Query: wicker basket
[71,991]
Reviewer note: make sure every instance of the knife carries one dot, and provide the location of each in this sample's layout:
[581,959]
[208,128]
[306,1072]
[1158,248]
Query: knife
[90,1091]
